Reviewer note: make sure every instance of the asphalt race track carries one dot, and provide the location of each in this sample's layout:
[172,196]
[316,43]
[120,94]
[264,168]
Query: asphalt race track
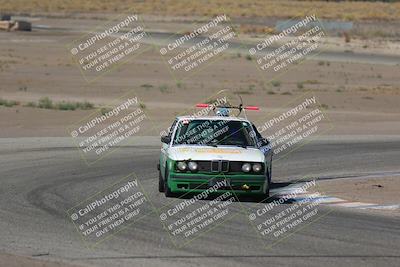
[44,177]
[162,38]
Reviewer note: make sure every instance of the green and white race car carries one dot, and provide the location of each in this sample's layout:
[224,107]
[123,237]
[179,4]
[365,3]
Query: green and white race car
[199,153]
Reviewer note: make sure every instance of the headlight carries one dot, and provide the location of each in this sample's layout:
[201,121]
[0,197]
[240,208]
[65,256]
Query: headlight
[246,167]
[192,166]
[257,167]
[182,166]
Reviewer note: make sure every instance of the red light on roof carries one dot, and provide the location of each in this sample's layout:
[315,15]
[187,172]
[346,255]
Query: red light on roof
[252,108]
[202,105]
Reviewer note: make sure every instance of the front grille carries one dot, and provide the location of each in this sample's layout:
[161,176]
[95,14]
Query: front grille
[215,166]
[225,166]
[220,166]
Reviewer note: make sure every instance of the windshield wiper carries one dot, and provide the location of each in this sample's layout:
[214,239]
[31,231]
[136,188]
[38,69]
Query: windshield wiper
[213,144]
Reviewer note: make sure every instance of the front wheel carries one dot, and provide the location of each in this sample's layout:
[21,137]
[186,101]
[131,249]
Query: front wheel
[167,190]
[266,193]
[161,187]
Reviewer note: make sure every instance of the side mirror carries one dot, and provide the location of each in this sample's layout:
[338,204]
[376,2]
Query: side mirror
[264,142]
[165,139]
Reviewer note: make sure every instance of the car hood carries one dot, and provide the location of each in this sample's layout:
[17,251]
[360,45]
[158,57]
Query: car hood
[185,152]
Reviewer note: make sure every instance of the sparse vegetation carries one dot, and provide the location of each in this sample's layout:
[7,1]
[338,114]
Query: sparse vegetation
[251,87]
[105,110]
[8,103]
[179,84]
[147,86]
[31,104]
[271,92]
[276,83]
[85,105]
[47,103]
[286,93]
[324,106]
[368,97]
[248,57]
[340,89]
[311,82]
[163,88]
[300,85]
[66,105]
[142,105]
[243,92]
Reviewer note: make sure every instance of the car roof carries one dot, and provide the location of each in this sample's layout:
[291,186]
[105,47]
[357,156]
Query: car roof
[212,118]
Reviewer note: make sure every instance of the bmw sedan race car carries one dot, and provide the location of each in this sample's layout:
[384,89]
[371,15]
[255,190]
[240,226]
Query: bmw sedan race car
[199,153]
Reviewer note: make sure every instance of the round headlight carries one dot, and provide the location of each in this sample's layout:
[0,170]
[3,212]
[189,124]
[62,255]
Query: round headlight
[182,166]
[246,167]
[192,166]
[257,167]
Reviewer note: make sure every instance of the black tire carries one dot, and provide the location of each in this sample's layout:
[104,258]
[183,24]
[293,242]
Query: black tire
[270,175]
[167,190]
[161,187]
[269,179]
[266,194]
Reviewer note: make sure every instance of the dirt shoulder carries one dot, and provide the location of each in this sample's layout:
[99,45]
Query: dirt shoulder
[382,190]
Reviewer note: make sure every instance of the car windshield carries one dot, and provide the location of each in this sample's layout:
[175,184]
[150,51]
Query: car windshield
[213,133]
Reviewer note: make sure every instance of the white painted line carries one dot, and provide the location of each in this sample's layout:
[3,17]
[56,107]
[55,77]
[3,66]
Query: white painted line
[353,204]
[382,207]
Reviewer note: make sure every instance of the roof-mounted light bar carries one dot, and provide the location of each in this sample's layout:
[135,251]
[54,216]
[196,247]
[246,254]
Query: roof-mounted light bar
[202,105]
[252,108]
[240,107]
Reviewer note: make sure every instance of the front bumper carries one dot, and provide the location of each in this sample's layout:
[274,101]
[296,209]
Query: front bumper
[240,184]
